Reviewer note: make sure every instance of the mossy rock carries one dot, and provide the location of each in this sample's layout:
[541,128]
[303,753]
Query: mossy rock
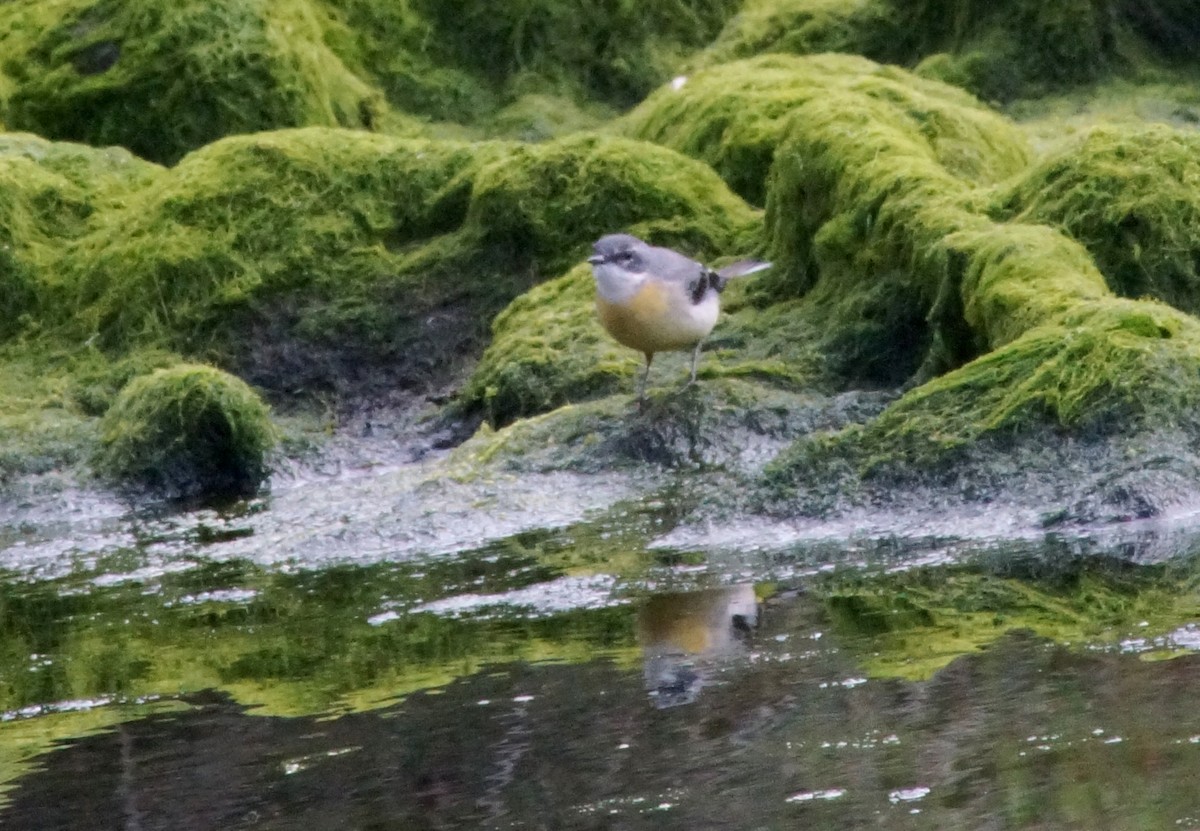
[1001,51]
[1020,340]
[610,51]
[188,430]
[320,259]
[803,27]
[1131,196]
[734,116]
[51,193]
[730,424]
[547,350]
[163,78]
[1107,393]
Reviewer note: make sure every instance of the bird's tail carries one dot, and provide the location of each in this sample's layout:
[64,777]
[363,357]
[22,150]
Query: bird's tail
[741,268]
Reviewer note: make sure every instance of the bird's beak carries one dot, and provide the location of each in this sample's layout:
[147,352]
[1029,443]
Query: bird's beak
[595,259]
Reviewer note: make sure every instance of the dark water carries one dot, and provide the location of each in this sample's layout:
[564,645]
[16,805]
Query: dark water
[585,678]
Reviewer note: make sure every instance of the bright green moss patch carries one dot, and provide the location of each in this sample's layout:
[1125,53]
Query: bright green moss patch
[187,430]
[734,116]
[547,350]
[1131,196]
[803,27]
[50,193]
[1108,369]
[1001,51]
[162,78]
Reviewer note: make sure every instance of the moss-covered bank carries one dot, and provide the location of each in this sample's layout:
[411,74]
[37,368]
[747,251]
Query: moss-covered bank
[902,255]
[163,78]
[1000,51]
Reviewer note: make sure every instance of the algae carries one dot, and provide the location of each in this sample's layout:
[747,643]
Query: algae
[734,116]
[164,78]
[1002,51]
[1131,197]
[186,430]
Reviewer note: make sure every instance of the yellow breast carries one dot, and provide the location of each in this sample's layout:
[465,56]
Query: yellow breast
[659,317]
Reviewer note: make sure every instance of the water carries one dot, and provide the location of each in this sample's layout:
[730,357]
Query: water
[332,663]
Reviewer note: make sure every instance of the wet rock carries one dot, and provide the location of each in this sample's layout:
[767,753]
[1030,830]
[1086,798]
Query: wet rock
[186,431]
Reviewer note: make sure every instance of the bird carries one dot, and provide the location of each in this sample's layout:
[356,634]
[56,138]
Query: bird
[655,299]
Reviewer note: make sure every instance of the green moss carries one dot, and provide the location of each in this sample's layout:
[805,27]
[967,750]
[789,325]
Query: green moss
[1107,369]
[163,78]
[548,350]
[1131,196]
[613,51]
[541,116]
[803,27]
[900,252]
[50,194]
[317,259]
[730,423]
[734,116]
[186,430]
[547,199]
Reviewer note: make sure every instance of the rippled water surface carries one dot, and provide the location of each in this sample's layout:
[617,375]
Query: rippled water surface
[384,651]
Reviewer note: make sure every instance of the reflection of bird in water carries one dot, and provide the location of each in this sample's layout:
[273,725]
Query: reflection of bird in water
[680,633]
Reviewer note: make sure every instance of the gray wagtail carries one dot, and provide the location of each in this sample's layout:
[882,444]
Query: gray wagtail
[657,300]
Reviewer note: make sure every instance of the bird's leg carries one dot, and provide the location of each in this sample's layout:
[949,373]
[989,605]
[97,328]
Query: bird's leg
[695,362]
[641,390]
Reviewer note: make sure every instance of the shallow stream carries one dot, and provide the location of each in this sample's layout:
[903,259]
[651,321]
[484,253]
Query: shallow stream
[382,648]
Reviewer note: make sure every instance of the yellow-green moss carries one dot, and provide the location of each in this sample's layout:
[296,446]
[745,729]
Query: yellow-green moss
[163,78]
[734,116]
[50,193]
[861,209]
[1131,196]
[803,27]
[320,258]
[547,350]
[186,430]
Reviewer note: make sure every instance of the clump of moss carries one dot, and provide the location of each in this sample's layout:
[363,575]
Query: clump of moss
[1000,51]
[540,197]
[547,348]
[188,430]
[897,248]
[614,52]
[876,230]
[50,193]
[322,259]
[1131,196]
[162,78]
[803,27]
[734,116]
